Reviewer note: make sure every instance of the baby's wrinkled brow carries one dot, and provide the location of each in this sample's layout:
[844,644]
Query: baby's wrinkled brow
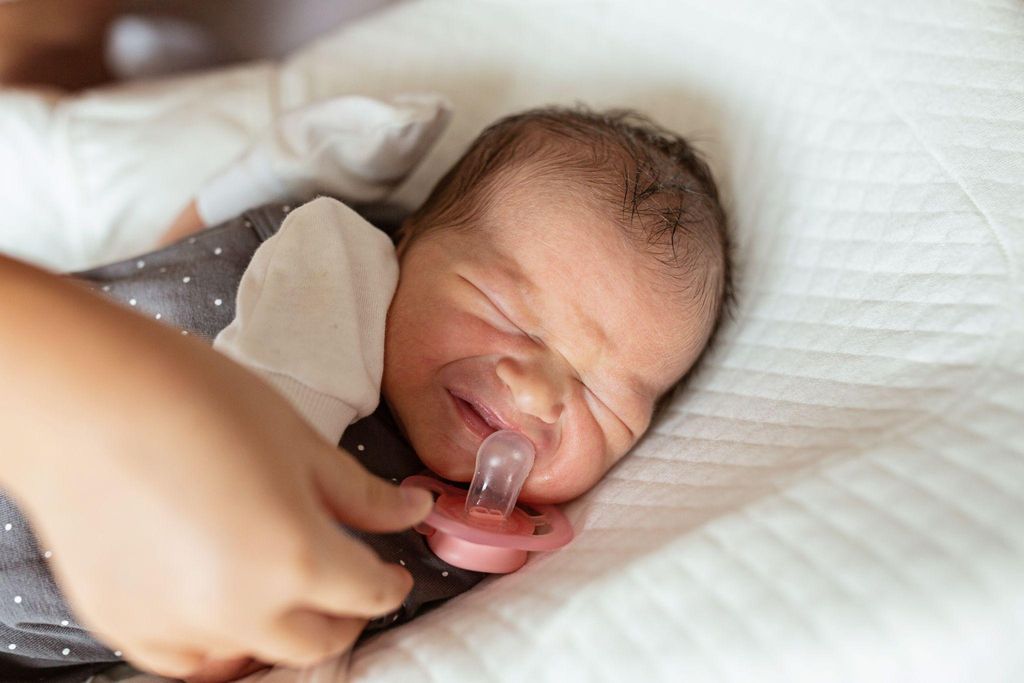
[517,278]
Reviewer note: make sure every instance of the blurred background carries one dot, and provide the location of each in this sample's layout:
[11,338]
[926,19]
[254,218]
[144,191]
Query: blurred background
[76,44]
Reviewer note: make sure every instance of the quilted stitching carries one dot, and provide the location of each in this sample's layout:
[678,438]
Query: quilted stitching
[832,499]
[839,495]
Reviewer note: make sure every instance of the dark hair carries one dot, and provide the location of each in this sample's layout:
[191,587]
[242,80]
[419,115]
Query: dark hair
[663,189]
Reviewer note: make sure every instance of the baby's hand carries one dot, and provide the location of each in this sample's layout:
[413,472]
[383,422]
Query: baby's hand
[186,223]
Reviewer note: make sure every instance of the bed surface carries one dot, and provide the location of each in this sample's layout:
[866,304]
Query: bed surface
[840,494]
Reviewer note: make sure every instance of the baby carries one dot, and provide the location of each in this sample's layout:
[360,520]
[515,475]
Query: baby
[561,280]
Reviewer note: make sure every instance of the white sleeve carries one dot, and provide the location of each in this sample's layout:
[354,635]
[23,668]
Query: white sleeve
[310,314]
[357,148]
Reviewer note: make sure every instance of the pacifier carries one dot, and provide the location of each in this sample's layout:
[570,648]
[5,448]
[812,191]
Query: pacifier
[483,529]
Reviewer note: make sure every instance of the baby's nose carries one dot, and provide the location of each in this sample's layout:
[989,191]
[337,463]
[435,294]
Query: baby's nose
[538,388]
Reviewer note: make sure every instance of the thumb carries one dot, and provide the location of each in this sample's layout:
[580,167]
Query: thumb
[363,501]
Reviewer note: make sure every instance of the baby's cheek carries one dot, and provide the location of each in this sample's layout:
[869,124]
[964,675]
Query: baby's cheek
[580,461]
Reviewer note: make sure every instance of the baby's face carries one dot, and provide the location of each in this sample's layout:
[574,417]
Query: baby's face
[540,319]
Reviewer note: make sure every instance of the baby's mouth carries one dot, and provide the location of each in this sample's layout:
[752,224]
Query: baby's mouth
[483,418]
[476,420]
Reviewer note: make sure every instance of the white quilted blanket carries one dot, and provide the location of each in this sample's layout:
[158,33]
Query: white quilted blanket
[840,494]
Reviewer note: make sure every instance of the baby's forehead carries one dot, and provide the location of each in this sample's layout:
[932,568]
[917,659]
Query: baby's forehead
[567,275]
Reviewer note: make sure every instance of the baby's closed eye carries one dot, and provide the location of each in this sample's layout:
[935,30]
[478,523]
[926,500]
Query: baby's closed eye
[603,407]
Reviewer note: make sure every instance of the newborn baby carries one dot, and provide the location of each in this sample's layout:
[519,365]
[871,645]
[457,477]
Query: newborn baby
[560,281]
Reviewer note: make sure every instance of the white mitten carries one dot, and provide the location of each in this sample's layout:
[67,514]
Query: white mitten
[353,147]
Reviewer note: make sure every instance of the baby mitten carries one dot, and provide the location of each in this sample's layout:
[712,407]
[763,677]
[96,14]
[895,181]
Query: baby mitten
[353,147]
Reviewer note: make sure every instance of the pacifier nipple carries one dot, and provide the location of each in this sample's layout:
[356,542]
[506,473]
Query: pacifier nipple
[503,461]
[483,530]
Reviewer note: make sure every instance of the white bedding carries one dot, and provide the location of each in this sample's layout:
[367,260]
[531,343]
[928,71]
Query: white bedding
[840,494]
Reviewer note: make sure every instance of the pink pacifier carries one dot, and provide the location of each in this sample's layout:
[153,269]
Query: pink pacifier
[482,529]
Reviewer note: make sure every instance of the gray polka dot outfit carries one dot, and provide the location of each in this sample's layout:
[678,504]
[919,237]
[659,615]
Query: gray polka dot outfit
[191,285]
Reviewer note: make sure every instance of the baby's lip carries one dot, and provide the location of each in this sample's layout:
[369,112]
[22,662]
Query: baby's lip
[498,416]
[489,415]
[494,420]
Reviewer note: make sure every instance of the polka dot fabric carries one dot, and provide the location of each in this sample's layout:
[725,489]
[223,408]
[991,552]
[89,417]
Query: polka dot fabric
[37,630]
[191,284]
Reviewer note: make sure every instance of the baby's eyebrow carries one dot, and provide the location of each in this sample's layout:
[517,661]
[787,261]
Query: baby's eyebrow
[513,273]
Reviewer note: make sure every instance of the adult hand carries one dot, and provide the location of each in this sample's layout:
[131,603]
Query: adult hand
[192,514]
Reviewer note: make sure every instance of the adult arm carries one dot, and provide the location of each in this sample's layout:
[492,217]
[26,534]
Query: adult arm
[191,512]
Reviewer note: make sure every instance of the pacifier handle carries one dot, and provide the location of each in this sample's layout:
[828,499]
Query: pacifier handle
[482,529]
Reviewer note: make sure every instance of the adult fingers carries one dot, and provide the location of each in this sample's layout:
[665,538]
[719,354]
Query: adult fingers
[221,670]
[167,660]
[303,637]
[350,580]
[364,501]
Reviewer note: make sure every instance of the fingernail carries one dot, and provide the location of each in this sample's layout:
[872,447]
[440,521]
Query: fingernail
[416,498]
